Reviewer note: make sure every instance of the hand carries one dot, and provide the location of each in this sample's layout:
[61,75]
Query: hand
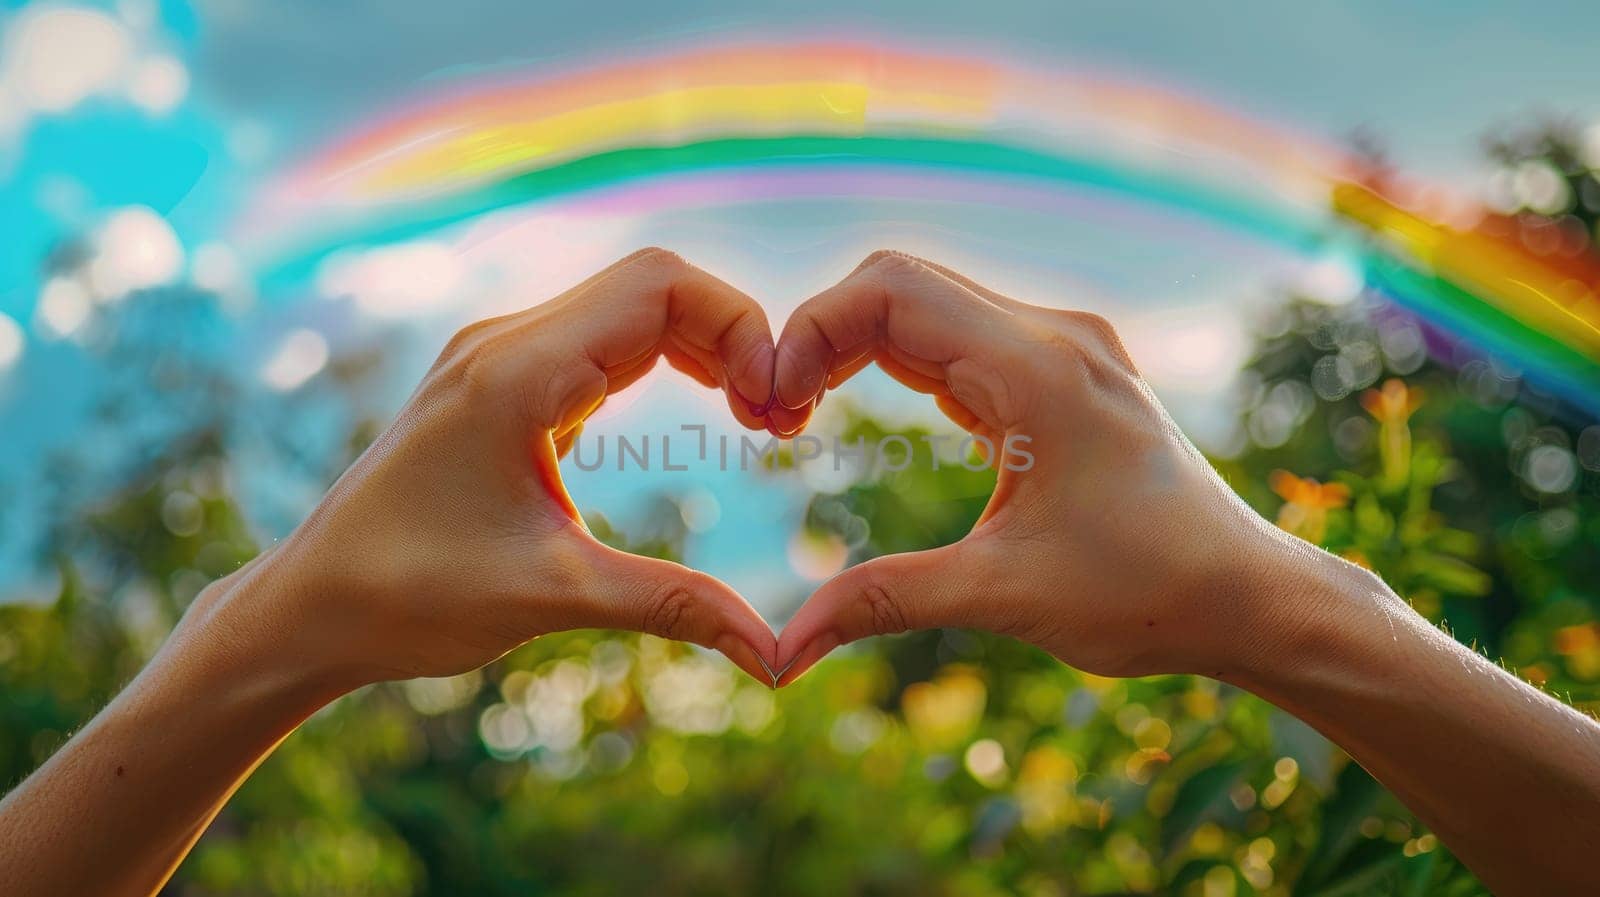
[1119,551]
[452,540]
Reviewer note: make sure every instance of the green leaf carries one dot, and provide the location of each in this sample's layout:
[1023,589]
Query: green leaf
[1197,800]
[1355,797]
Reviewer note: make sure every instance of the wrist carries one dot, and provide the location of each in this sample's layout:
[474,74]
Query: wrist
[257,630]
[1308,611]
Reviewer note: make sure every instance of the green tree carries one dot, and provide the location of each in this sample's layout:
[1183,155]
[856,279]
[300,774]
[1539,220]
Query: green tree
[943,762]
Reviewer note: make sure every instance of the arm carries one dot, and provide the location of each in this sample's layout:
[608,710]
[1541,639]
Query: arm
[1508,777]
[136,787]
[450,542]
[1121,552]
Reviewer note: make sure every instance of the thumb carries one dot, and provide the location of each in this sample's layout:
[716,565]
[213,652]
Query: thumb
[674,602]
[886,595]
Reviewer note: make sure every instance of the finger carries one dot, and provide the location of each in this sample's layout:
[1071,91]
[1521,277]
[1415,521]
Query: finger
[963,417]
[840,374]
[672,601]
[660,297]
[687,364]
[991,295]
[618,324]
[687,358]
[883,596]
[912,379]
[621,378]
[565,440]
[895,307]
[546,454]
[475,334]
[786,422]
[1083,325]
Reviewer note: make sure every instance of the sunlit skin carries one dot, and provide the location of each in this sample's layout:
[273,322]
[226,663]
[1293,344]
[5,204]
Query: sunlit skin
[1122,553]
[452,541]
[448,543]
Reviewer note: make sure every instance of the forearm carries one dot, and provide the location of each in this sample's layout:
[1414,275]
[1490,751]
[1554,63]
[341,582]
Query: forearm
[1508,777]
[138,785]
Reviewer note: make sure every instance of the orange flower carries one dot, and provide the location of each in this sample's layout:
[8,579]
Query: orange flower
[1358,557]
[1393,406]
[1307,503]
[1580,645]
[1571,640]
[1394,403]
[1308,492]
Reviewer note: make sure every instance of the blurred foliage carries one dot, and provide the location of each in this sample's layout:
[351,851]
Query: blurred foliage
[1549,177]
[932,763]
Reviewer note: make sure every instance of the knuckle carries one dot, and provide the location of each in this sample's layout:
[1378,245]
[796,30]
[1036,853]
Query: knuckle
[1085,367]
[471,372]
[655,258]
[1033,630]
[1099,333]
[570,386]
[666,612]
[883,609]
[889,262]
[1095,326]
[464,340]
[1063,345]
[561,572]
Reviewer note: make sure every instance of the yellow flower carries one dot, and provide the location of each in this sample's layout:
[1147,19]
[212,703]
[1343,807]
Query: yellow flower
[1307,503]
[944,711]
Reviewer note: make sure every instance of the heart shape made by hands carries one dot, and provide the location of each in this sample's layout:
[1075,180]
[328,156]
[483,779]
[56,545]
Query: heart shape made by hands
[1065,556]
[827,341]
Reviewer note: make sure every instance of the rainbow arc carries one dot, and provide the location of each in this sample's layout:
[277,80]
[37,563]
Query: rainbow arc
[759,122]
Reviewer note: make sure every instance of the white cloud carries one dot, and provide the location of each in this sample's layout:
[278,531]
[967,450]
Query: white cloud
[13,115]
[1334,280]
[141,15]
[1188,348]
[55,56]
[520,258]
[1191,355]
[1591,146]
[216,268]
[393,281]
[135,249]
[302,354]
[158,84]
[64,198]
[11,343]
[64,306]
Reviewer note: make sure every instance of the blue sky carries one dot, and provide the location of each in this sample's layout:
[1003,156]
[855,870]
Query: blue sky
[210,97]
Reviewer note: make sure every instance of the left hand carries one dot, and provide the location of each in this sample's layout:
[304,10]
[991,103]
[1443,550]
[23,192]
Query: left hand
[452,540]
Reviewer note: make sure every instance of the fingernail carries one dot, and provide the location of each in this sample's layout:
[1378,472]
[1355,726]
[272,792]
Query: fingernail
[784,365]
[786,422]
[763,365]
[798,406]
[807,657]
[745,658]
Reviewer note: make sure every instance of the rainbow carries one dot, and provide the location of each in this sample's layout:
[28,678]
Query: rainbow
[757,122]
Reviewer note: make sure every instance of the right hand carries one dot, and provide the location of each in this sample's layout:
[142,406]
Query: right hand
[1120,551]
